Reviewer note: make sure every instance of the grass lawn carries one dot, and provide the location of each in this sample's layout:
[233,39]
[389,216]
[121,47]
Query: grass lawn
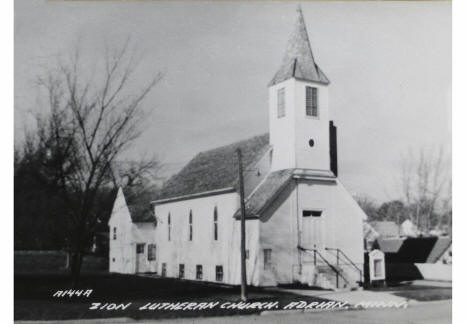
[426,294]
[34,296]
[418,292]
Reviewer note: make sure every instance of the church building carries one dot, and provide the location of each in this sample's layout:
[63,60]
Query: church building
[302,226]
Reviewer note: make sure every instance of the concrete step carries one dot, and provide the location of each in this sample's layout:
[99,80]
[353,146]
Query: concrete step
[330,274]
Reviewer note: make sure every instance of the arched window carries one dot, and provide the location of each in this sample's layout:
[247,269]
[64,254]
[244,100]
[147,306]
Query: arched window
[169,227]
[190,226]
[215,223]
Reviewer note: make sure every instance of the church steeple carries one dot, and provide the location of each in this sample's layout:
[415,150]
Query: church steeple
[298,61]
[298,109]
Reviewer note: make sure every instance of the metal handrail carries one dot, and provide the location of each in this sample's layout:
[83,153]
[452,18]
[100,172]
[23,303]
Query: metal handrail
[315,251]
[338,251]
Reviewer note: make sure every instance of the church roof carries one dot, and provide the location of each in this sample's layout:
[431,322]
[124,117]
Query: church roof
[298,61]
[266,193]
[442,244]
[138,205]
[141,213]
[215,169]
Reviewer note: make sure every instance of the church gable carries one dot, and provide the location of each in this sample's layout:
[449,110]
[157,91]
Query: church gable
[127,203]
[266,193]
[215,169]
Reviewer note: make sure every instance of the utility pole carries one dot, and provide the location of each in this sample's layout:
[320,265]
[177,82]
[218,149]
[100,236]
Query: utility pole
[242,233]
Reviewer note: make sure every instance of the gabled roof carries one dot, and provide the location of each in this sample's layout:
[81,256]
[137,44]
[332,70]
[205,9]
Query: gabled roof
[298,61]
[138,205]
[442,245]
[141,213]
[215,169]
[266,193]
[390,245]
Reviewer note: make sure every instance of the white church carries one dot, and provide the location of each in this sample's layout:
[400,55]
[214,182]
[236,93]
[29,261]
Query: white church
[302,226]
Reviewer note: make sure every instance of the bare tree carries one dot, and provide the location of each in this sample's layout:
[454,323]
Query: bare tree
[369,206]
[423,178]
[142,172]
[93,116]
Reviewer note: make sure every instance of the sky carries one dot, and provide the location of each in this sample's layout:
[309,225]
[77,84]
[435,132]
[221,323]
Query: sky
[389,64]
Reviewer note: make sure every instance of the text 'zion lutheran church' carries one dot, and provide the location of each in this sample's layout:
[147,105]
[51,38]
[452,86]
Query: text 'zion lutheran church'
[299,216]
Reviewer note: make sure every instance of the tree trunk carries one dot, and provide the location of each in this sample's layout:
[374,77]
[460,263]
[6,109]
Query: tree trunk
[77,262]
[76,268]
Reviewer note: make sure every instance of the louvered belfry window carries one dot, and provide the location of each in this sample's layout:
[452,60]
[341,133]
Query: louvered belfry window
[311,102]
[281,103]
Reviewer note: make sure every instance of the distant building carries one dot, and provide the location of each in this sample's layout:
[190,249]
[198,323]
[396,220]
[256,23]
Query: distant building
[299,215]
[407,228]
[386,228]
[132,238]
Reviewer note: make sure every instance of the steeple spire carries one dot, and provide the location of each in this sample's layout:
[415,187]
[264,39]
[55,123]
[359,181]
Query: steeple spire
[298,61]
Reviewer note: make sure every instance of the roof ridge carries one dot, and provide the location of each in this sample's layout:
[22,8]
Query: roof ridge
[215,168]
[232,143]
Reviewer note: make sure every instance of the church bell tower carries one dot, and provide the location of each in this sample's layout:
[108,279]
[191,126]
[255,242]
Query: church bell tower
[300,127]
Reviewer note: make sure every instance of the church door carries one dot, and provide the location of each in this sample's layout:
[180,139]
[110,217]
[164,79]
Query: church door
[140,257]
[312,233]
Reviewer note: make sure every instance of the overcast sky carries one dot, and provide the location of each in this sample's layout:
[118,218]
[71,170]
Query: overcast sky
[389,64]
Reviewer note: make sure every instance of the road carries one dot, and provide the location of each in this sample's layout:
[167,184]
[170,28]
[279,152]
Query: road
[439,312]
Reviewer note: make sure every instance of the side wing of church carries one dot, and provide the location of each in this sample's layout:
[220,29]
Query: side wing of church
[302,225]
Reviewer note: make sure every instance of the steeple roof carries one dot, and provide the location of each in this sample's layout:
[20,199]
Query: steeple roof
[298,61]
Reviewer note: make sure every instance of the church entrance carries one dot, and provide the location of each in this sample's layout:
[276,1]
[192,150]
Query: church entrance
[140,258]
[311,239]
[312,232]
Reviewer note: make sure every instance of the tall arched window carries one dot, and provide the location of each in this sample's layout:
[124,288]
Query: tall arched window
[190,226]
[215,223]
[169,227]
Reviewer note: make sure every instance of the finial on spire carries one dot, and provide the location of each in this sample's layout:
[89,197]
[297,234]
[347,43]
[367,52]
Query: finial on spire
[298,61]
[299,8]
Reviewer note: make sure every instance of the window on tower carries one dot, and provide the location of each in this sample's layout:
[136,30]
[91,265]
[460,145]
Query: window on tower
[311,102]
[281,103]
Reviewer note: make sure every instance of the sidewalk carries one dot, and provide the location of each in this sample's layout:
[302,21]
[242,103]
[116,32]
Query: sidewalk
[423,313]
[352,297]
[432,283]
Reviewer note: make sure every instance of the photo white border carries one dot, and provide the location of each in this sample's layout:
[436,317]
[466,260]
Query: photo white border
[460,156]
[6,160]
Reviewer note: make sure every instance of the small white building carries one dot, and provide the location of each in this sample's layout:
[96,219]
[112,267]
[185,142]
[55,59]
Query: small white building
[302,225]
[132,247]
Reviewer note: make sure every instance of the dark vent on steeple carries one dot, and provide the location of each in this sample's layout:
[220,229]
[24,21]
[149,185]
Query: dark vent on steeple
[333,149]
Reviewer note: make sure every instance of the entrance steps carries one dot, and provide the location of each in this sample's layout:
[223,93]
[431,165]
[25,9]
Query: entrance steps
[323,276]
